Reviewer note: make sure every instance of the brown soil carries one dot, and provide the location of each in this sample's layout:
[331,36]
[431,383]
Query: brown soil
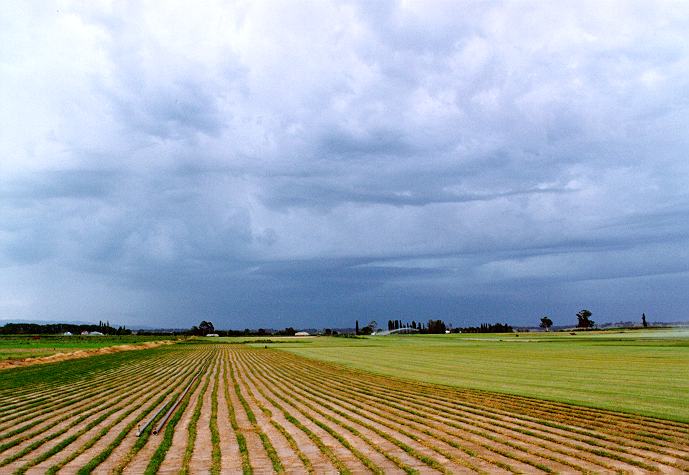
[173,459]
[394,424]
[258,458]
[318,461]
[201,455]
[230,458]
[288,457]
[123,449]
[304,417]
[373,452]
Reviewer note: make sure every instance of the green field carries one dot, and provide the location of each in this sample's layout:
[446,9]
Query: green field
[228,407]
[14,347]
[644,372]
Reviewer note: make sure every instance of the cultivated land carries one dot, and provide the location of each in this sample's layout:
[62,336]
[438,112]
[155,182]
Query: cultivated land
[260,409]
[637,371]
[36,346]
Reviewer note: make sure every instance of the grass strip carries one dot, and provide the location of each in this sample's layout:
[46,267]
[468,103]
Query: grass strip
[54,468]
[192,429]
[333,396]
[94,408]
[358,434]
[368,412]
[241,440]
[325,450]
[267,445]
[104,393]
[406,448]
[422,420]
[166,442]
[92,464]
[290,440]
[213,426]
[625,459]
[90,387]
[577,415]
[103,455]
[141,440]
[64,443]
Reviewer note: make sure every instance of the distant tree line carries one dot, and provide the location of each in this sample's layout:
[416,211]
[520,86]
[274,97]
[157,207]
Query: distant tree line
[204,328]
[486,328]
[59,328]
[397,324]
[584,321]
[432,326]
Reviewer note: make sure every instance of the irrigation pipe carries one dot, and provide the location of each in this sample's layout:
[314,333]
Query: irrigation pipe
[167,415]
[141,429]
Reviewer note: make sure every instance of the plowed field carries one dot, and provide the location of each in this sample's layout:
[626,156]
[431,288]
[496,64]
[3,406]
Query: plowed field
[262,410]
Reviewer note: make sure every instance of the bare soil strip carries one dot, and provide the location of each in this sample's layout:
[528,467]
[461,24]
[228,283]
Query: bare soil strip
[258,457]
[230,457]
[201,455]
[286,453]
[310,454]
[266,411]
[174,458]
[620,447]
[55,399]
[420,426]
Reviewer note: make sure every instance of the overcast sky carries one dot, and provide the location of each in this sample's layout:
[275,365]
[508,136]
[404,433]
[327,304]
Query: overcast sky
[287,163]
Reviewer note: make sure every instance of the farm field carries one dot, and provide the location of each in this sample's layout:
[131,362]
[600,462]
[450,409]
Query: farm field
[263,410]
[14,347]
[637,371]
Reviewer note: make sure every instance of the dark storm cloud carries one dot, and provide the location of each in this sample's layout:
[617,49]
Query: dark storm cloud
[309,164]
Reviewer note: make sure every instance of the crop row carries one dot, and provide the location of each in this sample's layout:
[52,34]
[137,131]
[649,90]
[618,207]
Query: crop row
[256,410]
[510,437]
[57,425]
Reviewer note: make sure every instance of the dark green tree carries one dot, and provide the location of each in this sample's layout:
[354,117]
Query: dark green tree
[436,326]
[584,320]
[546,323]
[206,327]
[368,329]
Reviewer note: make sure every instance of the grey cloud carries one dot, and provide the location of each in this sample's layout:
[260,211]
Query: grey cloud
[171,111]
[76,184]
[308,164]
[323,194]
